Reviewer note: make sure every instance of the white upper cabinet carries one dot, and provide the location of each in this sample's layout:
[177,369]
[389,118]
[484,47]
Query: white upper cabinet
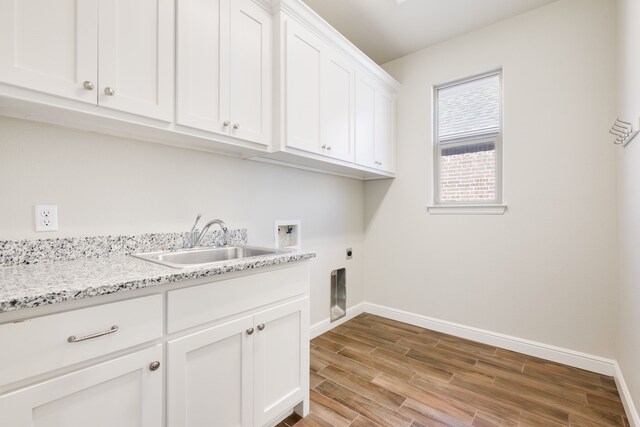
[50,46]
[303,88]
[224,68]
[384,145]
[136,56]
[375,124]
[365,120]
[202,64]
[114,53]
[329,118]
[251,75]
[319,95]
[337,106]
[207,73]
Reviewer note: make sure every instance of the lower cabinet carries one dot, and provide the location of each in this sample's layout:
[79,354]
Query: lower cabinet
[280,359]
[210,377]
[237,355]
[123,392]
[241,373]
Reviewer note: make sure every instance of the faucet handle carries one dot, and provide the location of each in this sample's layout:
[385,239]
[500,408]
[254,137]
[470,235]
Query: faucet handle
[193,234]
[195,224]
[193,237]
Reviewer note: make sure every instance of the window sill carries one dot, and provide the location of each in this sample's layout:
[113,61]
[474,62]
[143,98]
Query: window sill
[467,209]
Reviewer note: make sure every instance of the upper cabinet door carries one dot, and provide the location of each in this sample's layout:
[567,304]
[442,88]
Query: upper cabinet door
[375,124]
[136,56]
[365,121]
[250,77]
[50,46]
[203,65]
[385,131]
[303,88]
[337,106]
[319,96]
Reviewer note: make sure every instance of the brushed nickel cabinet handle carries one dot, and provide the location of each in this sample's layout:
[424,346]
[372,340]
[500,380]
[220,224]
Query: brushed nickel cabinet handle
[111,330]
[109,91]
[225,123]
[261,327]
[250,331]
[154,366]
[87,85]
[236,125]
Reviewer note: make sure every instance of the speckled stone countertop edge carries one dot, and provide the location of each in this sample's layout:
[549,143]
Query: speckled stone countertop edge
[28,294]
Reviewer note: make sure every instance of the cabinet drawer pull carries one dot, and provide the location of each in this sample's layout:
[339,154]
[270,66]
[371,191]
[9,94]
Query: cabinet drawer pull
[109,91]
[236,125]
[250,331]
[87,85]
[261,327]
[154,365]
[225,123]
[112,330]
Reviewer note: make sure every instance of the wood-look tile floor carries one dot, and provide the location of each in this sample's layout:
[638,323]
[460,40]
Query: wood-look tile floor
[372,371]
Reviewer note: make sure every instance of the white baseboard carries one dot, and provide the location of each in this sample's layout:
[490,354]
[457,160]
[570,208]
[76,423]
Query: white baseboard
[544,351]
[565,356]
[627,401]
[325,325]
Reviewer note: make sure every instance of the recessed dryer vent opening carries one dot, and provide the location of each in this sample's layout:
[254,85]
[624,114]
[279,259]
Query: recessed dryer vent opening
[338,306]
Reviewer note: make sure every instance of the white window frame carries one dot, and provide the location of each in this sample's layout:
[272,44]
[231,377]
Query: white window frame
[494,135]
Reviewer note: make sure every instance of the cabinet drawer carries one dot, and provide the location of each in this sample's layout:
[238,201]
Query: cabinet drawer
[36,346]
[207,303]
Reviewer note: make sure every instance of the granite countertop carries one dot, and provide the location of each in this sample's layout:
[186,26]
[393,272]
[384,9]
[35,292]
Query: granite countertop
[32,285]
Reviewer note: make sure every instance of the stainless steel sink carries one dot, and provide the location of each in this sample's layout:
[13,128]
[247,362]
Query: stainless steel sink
[186,258]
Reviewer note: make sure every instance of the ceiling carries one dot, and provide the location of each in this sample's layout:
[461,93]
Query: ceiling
[388,29]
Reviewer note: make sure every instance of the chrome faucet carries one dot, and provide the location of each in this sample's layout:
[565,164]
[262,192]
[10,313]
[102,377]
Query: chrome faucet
[196,236]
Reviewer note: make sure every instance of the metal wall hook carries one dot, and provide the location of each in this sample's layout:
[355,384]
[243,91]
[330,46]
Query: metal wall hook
[623,131]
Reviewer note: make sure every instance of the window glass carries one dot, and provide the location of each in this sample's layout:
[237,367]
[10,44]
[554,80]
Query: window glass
[468,173]
[469,107]
[468,141]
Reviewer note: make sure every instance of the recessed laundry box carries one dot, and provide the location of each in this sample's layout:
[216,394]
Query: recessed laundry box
[338,305]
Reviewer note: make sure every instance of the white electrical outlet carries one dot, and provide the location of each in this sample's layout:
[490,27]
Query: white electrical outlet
[46,218]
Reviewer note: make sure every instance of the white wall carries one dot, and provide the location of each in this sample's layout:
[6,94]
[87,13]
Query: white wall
[629,199]
[107,185]
[546,270]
